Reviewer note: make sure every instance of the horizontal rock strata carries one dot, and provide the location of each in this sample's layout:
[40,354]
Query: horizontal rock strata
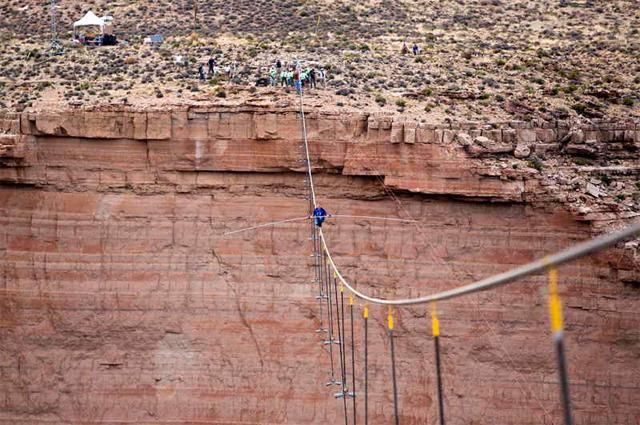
[123,301]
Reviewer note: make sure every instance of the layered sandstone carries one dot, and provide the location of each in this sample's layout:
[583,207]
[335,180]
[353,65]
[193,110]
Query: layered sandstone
[123,301]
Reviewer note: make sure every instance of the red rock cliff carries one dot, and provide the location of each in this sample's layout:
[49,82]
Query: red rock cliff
[122,301]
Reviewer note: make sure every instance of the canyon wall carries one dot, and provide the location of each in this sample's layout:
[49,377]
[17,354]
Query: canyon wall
[123,300]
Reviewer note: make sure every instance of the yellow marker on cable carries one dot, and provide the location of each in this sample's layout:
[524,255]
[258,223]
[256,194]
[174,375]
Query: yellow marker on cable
[390,318]
[555,305]
[365,312]
[350,299]
[341,286]
[435,323]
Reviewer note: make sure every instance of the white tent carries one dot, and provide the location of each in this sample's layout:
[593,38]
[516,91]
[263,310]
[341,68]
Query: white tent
[90,19]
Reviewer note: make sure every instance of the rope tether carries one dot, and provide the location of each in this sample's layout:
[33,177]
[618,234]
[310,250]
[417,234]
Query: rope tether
[340,326]
[331,341]
[571,253]
[435,330]
[550,262]
[393,367]
[352,394]
[321,291]
[555,318]
[365,316]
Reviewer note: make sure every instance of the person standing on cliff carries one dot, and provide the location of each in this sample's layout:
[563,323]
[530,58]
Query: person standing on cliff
[273,79]
[312,78]
[319,215]
[201,72]
[212,64]
[278,70]
[296,80]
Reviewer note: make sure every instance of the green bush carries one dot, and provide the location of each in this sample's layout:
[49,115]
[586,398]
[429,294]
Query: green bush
[535,163]
[579,108]
[380,100]
[582,161]
[401,103]
[427,91]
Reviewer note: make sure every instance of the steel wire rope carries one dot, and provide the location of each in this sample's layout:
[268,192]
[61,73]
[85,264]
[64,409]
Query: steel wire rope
[330,340]
[571,253]
[309,217]
[521,382]
[272,223]
[341,345]
[394,379]
[306,149]
[353,362]
[365,316]
[561,257]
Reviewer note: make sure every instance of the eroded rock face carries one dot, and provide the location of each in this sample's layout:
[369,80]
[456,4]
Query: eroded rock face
[122,299]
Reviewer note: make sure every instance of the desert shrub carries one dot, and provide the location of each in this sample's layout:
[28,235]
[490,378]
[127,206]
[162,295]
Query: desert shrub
[579,108]
[535,163]
[579,160]
[427,91]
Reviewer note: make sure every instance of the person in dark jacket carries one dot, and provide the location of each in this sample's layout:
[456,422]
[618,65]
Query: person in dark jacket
[319,215]
[312,78]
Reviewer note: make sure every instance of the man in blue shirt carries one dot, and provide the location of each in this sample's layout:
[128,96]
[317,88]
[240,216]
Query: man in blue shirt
[319,214]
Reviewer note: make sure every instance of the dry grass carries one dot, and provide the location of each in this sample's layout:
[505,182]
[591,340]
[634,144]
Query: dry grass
[481,59]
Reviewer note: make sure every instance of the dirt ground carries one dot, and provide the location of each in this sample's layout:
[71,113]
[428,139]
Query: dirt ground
[481,60]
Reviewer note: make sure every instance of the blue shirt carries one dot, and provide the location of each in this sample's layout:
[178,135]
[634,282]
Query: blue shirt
[319,212]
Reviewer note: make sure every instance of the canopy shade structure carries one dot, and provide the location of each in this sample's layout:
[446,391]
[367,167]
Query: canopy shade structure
[90,19]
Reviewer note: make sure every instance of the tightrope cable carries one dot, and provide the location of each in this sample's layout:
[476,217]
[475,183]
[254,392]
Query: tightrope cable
[353,361]
[550,262]
[569,254]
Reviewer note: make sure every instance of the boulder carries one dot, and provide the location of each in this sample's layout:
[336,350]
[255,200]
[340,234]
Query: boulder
[522,151]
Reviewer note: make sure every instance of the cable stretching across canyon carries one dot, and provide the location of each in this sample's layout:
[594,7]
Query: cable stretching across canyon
[548,263]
